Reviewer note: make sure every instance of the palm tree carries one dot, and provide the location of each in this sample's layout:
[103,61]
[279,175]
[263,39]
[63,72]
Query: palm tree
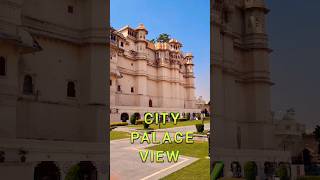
[316,133]
[163,38]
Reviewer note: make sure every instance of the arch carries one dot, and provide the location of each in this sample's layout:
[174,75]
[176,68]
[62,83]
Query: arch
[137,115]
[150,103]
[71,89]
[27,85]
[46,170]
[124,117]
[235,168]
[2,66]
[269,169]
[87,171]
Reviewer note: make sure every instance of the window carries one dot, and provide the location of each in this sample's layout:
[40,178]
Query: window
[121,44]
[131,64]
[71,89]
[119,88]
[132,90]
[2,66]
[27,85]
[70,9]
[110,82]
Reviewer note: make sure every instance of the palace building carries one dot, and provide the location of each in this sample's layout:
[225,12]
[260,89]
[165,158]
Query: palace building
[148,77]
[53,103]
[243,127]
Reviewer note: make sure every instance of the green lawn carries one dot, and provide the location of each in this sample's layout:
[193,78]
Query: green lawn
[118,135]
[171,125]
[198,170]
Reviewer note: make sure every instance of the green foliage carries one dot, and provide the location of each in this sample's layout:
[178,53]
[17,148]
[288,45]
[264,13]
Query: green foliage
[145,125]
[163,38]
[118,124]
[73,173]
[250,171]
[133,118]
[183,119]
[153,41]
[140,121]
[282,172]
[188,116]
[198,115]
[200,128]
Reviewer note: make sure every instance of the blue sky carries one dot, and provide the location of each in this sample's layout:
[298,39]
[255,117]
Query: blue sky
[185,20]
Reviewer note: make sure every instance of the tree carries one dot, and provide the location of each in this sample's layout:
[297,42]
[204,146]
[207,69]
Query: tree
[316,133]
[163,38]
[153,41]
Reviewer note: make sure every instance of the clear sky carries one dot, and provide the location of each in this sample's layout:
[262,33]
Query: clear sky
[294,32]
[185,20]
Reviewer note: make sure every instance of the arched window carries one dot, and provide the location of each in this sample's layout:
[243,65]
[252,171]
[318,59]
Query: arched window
[150,103]
[124,117]
[2,66]
[46,170]
[27,85]
[71,89]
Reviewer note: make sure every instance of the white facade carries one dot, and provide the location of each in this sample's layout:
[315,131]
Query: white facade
[242,125]
[52,93]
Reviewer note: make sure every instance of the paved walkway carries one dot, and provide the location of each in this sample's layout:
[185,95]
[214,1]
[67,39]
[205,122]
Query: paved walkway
[126,162]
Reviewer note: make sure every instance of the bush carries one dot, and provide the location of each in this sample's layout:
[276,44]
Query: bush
[188,116]
[118,124]
[198,115]
[133,118]
[282,172]
[140,121]
[145,125]
[250,171]
[183,119]
[200,128]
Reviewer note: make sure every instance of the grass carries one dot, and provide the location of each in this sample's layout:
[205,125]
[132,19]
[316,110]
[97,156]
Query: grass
[114,135]
[198,170]
[171,125]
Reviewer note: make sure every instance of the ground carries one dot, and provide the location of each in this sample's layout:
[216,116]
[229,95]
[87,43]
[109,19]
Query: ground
[126,163]
[197,170]
[114,135]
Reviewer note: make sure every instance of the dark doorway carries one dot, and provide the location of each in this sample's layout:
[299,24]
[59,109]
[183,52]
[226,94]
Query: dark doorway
[27,85]
[124,117]
[46,170]
[87,171]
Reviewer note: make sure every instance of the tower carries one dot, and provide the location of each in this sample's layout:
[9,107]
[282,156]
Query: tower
[141,65]
[190,88]
[256,78]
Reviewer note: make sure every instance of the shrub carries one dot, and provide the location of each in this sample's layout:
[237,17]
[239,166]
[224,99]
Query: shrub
[250,171]
[140,121]
[182,119]
[118,124]
[200,128]
[188,116]
[282,172]
[198,115]
[145,125]
[133,118]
